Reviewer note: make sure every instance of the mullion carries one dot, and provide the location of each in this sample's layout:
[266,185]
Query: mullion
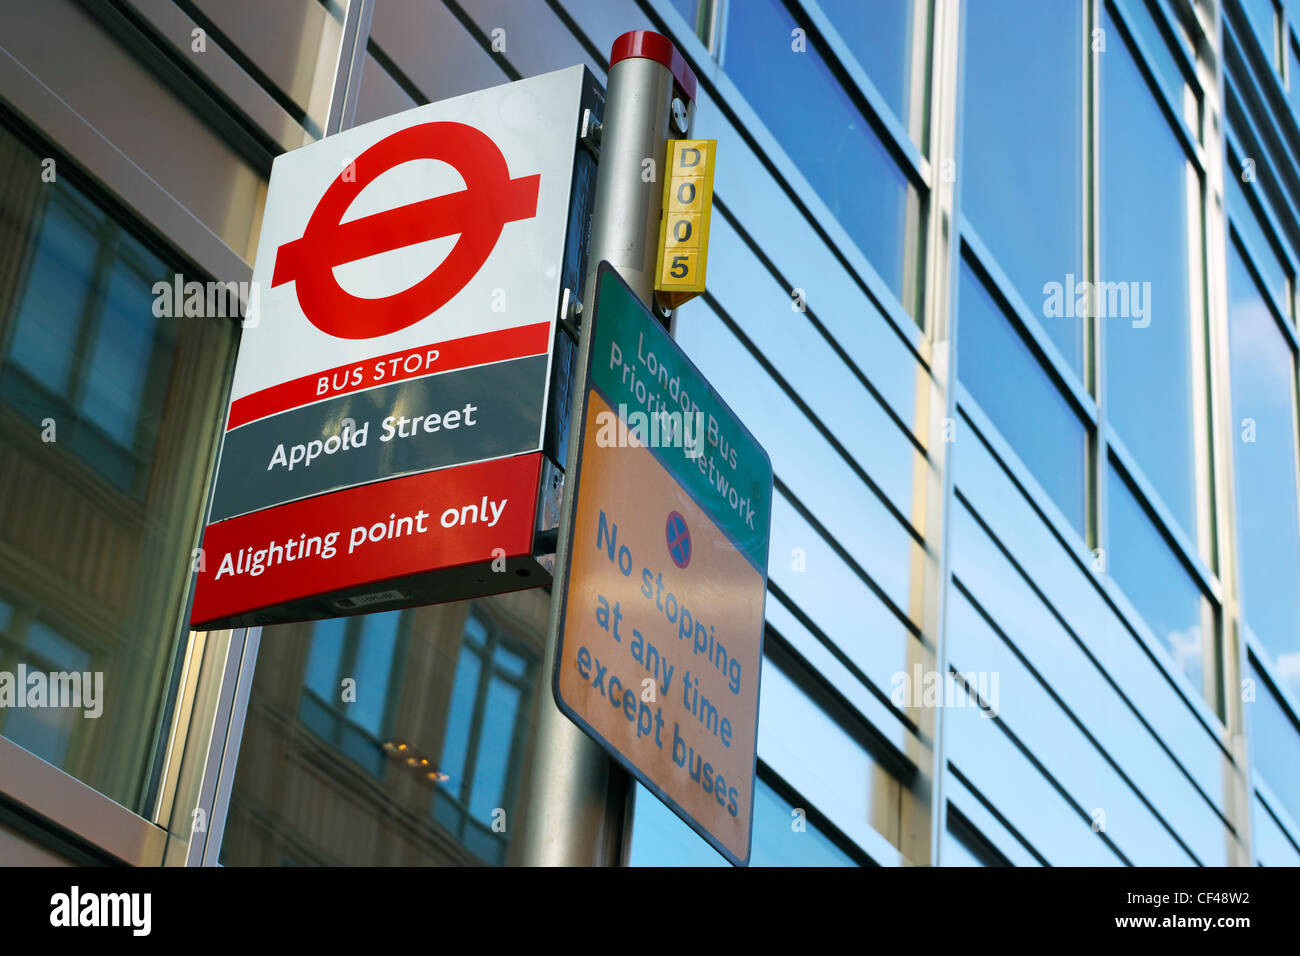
[476,719]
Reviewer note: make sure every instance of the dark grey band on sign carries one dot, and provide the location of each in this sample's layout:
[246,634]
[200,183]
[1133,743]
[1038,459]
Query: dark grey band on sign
[507,400]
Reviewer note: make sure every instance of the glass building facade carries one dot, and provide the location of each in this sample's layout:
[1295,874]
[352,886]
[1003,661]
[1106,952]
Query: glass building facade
[1007,289]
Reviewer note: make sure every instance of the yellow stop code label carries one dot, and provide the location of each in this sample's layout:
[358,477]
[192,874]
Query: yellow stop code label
[684,222]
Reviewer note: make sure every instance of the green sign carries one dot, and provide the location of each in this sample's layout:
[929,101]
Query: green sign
[659,638]
[671,408]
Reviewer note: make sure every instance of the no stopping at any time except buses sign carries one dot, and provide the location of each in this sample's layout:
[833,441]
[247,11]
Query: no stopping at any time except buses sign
[661,633]
[382,446]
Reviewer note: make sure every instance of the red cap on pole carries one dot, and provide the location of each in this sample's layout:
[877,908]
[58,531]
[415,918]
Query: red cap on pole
[655,46]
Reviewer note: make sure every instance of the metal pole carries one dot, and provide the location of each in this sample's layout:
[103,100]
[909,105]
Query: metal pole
[347,74]
[579,800]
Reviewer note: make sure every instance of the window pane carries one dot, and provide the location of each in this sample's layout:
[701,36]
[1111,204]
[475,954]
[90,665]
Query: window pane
[841,156]
[456,745]
[1264,470]
[57,290]
[508,662]
[1157,583]
[1262,15]
[998,368]
[881,35]
[1263,253]
[778,843]
[1168,73]
[1275,744]
[1022,148]
[476,632]
[119,367]
[83,345]
[1147,187]
[98,513]
[956,852]
[690,11]
[660,838]
[325,658]
[1293,88]
[48,731]
[374,668]
[822,756]
[464,694]
[494,748]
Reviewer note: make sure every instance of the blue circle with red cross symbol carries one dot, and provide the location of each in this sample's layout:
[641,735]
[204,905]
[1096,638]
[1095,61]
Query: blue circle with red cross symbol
[679,540]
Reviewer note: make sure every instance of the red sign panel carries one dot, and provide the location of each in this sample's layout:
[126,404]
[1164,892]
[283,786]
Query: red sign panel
[479,518]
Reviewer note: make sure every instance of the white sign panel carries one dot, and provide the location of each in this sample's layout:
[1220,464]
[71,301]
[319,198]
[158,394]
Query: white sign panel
[407,281]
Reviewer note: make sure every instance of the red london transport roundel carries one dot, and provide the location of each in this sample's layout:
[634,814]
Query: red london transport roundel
[477,213]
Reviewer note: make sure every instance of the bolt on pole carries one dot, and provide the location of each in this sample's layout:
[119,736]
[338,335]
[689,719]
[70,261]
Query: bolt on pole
[579,800]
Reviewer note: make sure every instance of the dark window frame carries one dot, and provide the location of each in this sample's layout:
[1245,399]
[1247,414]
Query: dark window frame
[496,636]
[330,719]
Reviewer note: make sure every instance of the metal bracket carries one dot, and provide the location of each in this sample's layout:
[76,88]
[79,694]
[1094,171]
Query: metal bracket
[589,134]
[681,115]
[570,313]
[663,310]
[544,542]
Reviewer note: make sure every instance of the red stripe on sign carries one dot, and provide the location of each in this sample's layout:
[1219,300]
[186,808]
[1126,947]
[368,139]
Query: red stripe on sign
[390,529]
[416,362]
